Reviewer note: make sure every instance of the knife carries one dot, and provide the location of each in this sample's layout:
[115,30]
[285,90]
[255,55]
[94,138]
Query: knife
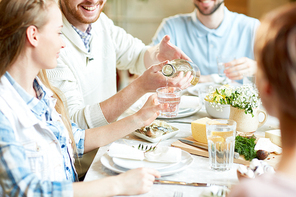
[196,144]
[181,183]
[203,146]
[168,182]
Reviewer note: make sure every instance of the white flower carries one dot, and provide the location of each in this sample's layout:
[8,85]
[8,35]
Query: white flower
[243,97]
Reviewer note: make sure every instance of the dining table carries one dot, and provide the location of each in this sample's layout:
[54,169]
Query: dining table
[198,170]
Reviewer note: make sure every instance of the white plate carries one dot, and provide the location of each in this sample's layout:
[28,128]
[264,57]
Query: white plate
[189,105]
[188,112]
[186,161]
[200,87]
[132,164]
[203,88]
[156,139]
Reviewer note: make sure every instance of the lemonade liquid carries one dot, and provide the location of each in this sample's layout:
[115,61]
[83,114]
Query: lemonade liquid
[221,148]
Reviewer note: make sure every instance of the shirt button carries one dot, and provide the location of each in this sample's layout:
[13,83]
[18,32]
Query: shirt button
[63,146]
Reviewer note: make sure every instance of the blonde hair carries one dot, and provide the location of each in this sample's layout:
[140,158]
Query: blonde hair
[275,52]
[15,17]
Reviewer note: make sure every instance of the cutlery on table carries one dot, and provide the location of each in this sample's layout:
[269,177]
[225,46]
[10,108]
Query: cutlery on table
[202,146]
[168,182]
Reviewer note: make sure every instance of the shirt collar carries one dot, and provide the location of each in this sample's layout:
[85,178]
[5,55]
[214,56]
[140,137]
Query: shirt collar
[85,36]
[203,30]
[69,32]
[36,105]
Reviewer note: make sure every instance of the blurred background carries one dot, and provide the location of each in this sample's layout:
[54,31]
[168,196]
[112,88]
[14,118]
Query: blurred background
[141,18]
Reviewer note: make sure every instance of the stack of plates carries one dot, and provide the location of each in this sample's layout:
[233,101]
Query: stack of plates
[120,165]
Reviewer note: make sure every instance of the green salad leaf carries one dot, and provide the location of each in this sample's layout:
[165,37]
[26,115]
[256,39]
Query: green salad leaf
[245,146]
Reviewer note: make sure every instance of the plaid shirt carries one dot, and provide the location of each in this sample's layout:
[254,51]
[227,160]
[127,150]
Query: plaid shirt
[85,36]
[14,165]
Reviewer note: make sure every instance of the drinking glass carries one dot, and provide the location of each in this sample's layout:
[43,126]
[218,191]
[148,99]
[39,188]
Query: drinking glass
[221,142]
[249,80]
[171,96]
[221,60]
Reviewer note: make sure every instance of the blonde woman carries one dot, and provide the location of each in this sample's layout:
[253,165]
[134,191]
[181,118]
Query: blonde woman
[38,141]
[275,52]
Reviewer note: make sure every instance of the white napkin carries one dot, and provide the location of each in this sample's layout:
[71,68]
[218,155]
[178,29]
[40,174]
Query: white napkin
[266,144]
[164,154]
[125,151]
[161,154]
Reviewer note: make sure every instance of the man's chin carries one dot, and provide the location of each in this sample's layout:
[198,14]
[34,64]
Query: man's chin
[209,12]
[87,20]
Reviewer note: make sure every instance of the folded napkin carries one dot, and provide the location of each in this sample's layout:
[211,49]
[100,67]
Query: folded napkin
[164,154]
[161,154]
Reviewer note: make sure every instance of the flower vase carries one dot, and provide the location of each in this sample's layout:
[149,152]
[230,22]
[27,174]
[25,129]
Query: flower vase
[246,123]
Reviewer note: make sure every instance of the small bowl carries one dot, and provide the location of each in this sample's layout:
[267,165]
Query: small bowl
[224,114]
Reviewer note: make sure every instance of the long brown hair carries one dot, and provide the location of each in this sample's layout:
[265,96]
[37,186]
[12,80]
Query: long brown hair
[15,17]
[275,52]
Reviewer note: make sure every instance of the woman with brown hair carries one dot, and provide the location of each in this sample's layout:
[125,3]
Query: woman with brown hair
[37,140]
[275,52]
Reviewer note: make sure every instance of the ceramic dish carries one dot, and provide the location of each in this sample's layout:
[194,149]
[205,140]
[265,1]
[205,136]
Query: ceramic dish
[186,161]
[223,113]
[156,139]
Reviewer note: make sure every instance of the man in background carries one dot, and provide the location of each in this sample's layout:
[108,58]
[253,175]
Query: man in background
[211,31]
[86,71]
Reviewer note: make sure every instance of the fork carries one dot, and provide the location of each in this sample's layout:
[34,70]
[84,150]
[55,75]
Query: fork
[178,194]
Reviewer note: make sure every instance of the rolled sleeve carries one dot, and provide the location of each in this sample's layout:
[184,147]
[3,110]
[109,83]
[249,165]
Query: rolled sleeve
[79,137]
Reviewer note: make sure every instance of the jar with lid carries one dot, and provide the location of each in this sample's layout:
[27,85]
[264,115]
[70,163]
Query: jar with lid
[174,67]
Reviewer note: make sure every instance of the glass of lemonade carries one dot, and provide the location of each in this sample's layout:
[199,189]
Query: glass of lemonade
[221,142]
[171,96]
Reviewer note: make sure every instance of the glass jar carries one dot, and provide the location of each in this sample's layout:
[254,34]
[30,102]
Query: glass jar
[174,67]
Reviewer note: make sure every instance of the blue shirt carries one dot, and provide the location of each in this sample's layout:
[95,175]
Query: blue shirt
[234,37]
[11,150]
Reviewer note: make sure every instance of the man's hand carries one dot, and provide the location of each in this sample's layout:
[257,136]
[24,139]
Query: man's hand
[163,51]
[152,79]
[237,69]
[168,51]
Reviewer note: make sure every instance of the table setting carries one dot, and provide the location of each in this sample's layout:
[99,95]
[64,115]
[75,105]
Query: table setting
[188,170]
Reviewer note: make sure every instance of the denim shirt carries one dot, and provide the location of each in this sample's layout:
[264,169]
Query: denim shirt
[14,166]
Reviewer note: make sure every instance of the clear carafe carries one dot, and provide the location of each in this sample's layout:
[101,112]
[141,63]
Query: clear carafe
[174,67]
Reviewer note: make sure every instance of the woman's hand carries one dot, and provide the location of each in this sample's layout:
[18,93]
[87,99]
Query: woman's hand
[137,181]
[149,112]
